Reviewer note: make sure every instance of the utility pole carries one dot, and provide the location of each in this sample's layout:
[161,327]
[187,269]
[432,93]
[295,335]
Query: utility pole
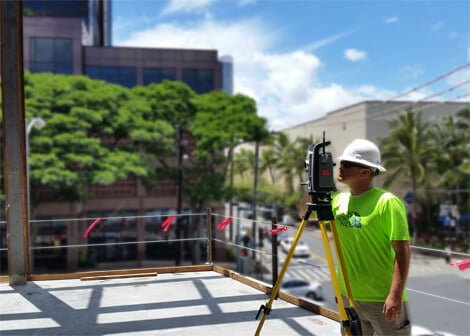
[179,197]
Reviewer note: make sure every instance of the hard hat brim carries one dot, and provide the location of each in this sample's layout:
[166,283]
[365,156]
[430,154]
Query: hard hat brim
[362,162]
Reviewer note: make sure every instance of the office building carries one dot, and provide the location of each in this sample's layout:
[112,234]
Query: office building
[94,15]
[226,62]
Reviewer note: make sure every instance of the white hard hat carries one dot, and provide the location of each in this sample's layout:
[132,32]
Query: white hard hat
[363,152]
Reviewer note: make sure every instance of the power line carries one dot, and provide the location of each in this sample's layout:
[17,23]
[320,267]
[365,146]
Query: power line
[422,100]
[427,106]
[432,81]
[416,88]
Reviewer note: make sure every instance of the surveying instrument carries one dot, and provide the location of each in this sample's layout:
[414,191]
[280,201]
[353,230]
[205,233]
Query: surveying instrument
[319,167]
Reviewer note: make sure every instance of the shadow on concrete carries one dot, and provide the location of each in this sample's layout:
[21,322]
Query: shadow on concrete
[72,321]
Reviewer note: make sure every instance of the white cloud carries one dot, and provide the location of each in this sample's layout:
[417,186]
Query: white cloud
[392,19]
[187,6]
[460,79]
[286,86]
[438,25]
[354,55]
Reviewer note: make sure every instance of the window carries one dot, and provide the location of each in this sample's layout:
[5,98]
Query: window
[71,8]
[158,75]
[125,76]
[200,80]
[51,55]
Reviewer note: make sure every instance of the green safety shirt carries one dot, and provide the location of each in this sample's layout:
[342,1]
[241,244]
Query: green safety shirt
[366,226]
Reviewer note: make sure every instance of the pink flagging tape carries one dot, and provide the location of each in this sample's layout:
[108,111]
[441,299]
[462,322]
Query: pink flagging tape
[167,223]
[462,264]
[223,224]
[276,231]
[92,225]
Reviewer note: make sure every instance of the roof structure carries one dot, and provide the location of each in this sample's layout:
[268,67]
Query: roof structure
[198,302]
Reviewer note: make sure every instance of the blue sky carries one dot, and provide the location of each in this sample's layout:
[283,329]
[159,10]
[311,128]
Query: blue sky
[302,59]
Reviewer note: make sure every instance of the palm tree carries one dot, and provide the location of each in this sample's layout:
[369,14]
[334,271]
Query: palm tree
[269,162]
[405,152]
[286,160]
[451,159]
[244,163]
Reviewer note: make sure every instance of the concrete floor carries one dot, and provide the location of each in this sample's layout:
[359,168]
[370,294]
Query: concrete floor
[195,303]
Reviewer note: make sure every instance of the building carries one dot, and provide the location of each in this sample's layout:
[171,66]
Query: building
[227,73]
[55,44]
[74,37]
[95,16]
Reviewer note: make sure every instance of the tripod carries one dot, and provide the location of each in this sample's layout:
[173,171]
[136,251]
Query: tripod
[321,203]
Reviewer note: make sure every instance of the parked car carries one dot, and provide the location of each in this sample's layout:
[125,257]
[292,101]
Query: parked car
[298,287]
[301,250]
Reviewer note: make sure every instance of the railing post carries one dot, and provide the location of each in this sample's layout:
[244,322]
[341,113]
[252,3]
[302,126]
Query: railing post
[274,251]
[209,235]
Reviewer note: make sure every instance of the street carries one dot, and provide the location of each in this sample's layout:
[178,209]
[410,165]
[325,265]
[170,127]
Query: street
[439,294]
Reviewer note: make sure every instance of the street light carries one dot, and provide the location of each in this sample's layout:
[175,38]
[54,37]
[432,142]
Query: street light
[36,123]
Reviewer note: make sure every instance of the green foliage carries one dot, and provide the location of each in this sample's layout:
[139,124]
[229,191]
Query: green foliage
[98,133]
[221,122]
[429,156]
[406,149]
[452,142]
[450,159]
[95,133]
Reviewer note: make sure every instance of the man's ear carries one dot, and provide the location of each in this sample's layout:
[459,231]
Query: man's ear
[366,173]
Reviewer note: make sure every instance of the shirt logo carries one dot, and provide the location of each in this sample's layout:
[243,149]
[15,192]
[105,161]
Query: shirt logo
[350,219]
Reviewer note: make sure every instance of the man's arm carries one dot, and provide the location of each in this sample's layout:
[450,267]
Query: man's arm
[401,266]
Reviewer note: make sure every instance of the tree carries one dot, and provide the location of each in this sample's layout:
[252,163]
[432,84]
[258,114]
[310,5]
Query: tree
[92,130]
[452,141]
[450,158]
[269,162]
[221,123]
[244,163]
[405,153]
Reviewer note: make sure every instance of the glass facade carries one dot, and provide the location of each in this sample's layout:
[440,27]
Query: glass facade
[158,75]
[96,15]
[125,76]
[51,55]
[58,8]
[227,74]
[200,80]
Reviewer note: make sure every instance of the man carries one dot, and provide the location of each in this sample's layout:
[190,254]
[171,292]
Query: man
[374,238]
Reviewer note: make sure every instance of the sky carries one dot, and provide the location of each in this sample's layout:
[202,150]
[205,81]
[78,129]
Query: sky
[300,59]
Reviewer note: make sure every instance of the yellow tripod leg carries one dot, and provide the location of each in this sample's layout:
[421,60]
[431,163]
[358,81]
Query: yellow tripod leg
[334,277]
[275,290]
[339,253]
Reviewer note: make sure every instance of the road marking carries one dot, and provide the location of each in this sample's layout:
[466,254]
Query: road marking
[439,297]
[308,274]
[319,257]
